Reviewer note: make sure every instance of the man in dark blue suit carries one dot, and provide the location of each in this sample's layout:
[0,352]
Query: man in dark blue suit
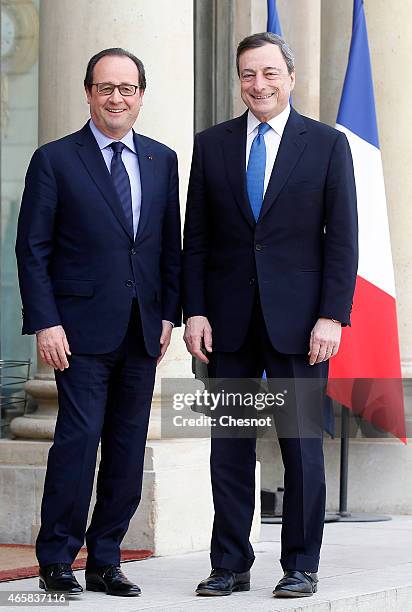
[98,251]
[269,268]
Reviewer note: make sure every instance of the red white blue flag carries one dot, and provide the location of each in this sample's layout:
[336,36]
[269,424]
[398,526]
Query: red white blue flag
[366,374]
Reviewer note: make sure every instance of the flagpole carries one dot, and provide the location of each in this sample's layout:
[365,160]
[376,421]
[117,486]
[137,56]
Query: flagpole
[344,464]
[343,515]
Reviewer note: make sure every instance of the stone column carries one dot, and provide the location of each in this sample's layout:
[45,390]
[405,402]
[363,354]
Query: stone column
[389,44]
[392,100]
[40,424]
[144,28]
[392,93]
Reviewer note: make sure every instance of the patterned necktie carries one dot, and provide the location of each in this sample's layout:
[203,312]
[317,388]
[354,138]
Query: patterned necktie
[121,183]
[255,174]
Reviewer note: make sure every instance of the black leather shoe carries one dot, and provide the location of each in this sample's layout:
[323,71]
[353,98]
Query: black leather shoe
[59,578]
[111,580]
[296,584]
[224,582]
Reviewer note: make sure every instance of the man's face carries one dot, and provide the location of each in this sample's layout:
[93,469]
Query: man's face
[114,114]
[265,83]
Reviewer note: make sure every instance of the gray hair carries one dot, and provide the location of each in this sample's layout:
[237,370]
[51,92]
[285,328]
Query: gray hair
[259,40]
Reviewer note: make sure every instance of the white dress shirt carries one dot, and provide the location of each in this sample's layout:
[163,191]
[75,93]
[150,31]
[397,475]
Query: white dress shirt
[130,160]
[272,139]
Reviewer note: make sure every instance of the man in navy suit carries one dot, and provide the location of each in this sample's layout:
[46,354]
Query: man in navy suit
[98,251]
[269,268]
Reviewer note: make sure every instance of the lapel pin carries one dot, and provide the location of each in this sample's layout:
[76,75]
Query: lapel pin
[150,157]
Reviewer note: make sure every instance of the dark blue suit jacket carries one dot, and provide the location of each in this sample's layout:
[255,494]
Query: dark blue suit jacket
[78,264]
[302,254]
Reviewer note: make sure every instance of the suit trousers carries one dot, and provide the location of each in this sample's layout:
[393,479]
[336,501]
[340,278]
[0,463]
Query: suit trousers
[103,398]
[233,462]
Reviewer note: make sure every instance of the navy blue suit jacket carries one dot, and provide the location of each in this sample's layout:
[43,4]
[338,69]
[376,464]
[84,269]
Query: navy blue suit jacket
[78,264]
[301,254]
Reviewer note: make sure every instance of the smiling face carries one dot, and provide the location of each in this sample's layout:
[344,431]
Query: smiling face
[265,83]
[113,114]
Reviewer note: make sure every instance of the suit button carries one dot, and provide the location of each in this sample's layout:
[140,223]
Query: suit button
[252,281]
[129,283]
[133,252]
[258,247]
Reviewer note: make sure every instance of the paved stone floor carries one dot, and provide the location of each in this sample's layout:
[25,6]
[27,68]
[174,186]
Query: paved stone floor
[365,567]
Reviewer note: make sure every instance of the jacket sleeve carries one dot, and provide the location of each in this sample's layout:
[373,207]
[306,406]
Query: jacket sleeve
[195,239]
[34,245]
[171,251]
[341,235]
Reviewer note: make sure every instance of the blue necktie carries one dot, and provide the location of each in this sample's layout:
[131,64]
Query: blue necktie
[122,183]
[255,174]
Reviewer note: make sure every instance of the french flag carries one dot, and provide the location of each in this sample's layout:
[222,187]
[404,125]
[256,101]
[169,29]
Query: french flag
[365,375]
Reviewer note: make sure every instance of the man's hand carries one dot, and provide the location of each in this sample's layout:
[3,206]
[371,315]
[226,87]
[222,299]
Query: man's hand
[197,330]
[324,340]
[165,338]
[53,347]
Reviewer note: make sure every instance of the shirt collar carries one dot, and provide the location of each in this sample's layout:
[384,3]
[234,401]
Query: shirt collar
[105,141]
[278,123]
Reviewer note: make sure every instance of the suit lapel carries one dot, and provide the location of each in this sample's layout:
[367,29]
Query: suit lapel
[147,163]
[93,160]
[291,148]
[234,150]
